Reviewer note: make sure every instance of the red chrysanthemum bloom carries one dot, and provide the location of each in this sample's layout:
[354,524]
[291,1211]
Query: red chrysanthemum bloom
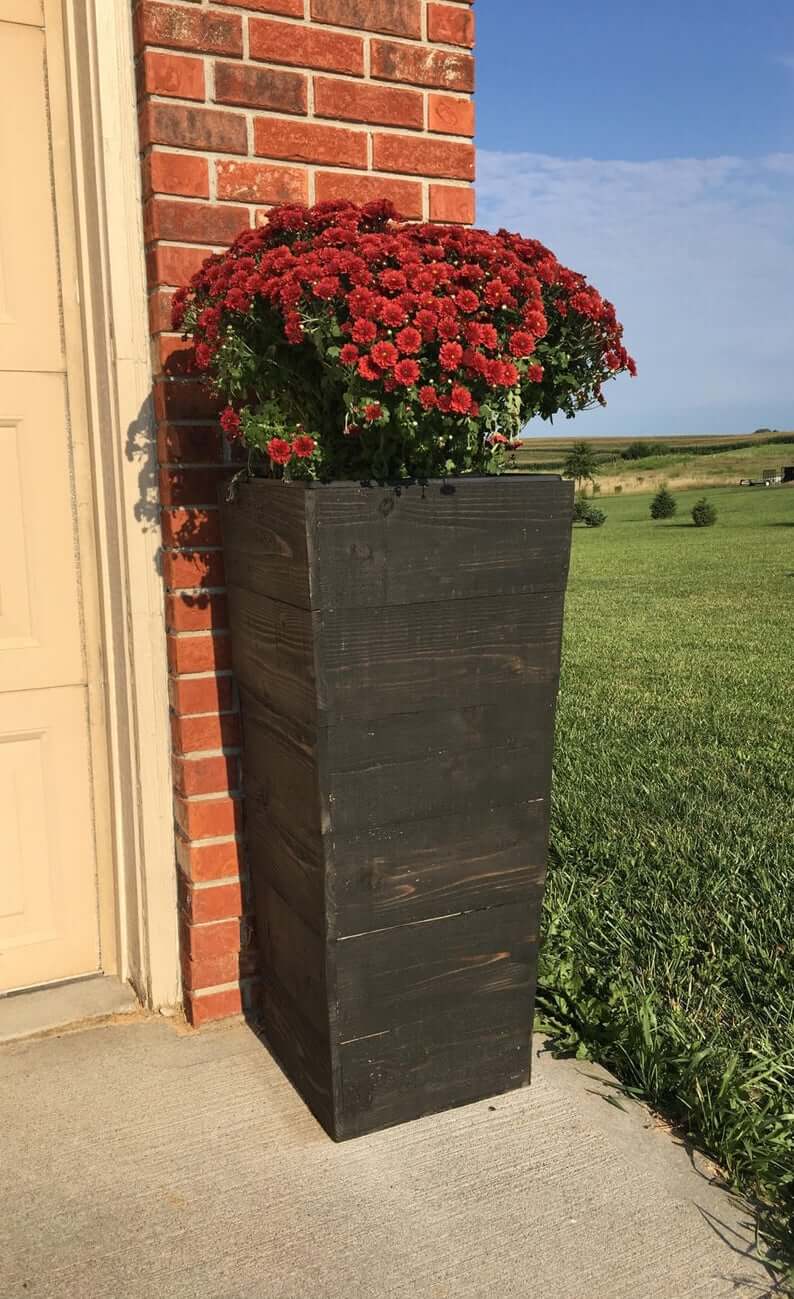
[349,354]
[304,446]
[406,372]
[373,411]
[489,338]
[279,450]
[365,331]
[394,281]
[409,340]
[448,326]
[467,301]
[428,397]
[367,370]
[230,422]
[535,374]
[460,400]
[385,355]
[393,314]
[450,356]
[327,287]
[522,343]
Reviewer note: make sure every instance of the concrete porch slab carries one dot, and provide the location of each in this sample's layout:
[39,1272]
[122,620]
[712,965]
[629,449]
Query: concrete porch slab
[140,1161]
[33,1013]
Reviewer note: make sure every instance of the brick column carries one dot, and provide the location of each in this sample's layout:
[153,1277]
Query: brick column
[244,105]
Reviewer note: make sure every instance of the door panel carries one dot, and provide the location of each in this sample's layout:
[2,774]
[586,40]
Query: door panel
[48,888]
[48,914]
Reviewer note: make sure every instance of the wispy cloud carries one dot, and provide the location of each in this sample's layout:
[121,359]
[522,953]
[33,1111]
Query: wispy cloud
[786,59]
[698,256]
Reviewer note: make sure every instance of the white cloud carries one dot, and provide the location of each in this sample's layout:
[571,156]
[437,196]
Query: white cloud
[698,256]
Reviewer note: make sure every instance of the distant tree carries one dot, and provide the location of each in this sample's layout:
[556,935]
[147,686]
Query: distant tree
[581,465]
[639,450]
[704,514]
[663,505]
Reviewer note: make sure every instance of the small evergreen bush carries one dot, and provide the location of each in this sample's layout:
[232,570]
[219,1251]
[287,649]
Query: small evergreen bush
[595,518]
[663,505]
[581,509]
[704,514]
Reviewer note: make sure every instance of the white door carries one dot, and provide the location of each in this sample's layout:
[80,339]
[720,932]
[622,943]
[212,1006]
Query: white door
[48,886]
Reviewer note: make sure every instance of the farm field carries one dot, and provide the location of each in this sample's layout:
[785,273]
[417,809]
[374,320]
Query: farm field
[669,915]
[680,468]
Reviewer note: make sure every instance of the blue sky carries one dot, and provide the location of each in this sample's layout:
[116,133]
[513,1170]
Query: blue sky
[652,147]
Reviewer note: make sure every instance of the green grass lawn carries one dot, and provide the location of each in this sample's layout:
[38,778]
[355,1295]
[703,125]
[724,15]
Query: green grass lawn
[669,918]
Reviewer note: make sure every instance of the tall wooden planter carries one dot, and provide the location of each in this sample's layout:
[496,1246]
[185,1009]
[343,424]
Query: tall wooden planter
[397,651]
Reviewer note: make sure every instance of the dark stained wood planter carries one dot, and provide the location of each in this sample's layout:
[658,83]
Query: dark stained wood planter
[397,652]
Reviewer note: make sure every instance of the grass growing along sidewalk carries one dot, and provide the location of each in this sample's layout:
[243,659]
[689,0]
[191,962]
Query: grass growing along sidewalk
[669,917]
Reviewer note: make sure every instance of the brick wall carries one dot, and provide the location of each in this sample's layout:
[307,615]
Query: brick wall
[243,105]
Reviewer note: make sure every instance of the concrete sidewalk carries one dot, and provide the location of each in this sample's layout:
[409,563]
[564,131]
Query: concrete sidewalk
[142,1161]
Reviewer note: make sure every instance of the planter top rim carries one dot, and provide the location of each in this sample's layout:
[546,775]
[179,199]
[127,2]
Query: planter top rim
[451,482]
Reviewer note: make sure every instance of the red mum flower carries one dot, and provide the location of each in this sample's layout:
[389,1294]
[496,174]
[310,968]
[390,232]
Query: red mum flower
[373,411]
[522,343]
[202,356]
[428,397]
[489,337]
[450,356]
[467,301]
[280,452]
[349,354]
[406,372]
[426,321]
[361,301]
[409,340]
[385,355]
[230,422]
[394,281]
[535,373]
[365,331]
[448,326]
[304,446]
[510,374]
[460,399]
[367,370]
[393,314]
[327,287]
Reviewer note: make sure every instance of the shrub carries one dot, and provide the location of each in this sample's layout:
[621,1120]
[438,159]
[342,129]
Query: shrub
[663,505]
[349,344]
[704,514]
[638,450]
[595,518]
[581,509]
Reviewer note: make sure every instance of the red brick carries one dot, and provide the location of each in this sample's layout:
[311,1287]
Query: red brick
[406,195]
[253,182]
[169,265]
[305,47]
[194,443]
[204,942]
[172,74]
[349,101]
[450,25]
[185,127]
[422,156]
[191,696]
[451,204]
[176,173]
[209,818]
[419,65]
[203,862]
[207,776]
[190,486]
[191,527]
[285,8]
[209,971]
[185,399]
[186,569]
[221,902]
[307,142]
[204,733]
[160,308]
[396,17]
[203,1010]
[271,88]
[450,115]
[198,653]
[204,30]
[193,223]
[196,613]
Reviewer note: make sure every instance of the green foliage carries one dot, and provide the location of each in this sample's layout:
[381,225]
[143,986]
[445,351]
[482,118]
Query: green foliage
[704,515]
[581,464]
[581,509]
[669,911]
[595,518]
[639,450]
[663,505]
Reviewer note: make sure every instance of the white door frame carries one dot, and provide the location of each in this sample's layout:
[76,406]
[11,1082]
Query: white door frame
[111,283]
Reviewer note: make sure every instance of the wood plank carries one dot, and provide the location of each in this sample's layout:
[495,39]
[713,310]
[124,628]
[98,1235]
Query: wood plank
[434,655]
[304,1054]
[273,653]
[497,719]
[264,538]
[375,546]
[473,969]
[293,954]
[420,870]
